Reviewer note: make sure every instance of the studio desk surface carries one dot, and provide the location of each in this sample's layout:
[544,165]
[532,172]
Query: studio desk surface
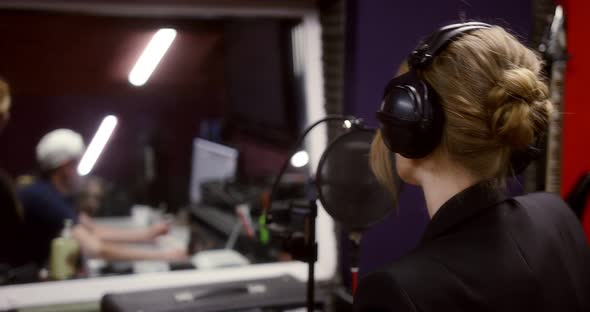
[85,294]
[271,293]
[283,293]
[215,239]
[216,228]
[177,237]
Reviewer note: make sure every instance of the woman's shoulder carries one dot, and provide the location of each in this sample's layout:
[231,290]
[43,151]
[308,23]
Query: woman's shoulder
[393,287]
[548,216]
[545,205]
[417,279]
[381,291]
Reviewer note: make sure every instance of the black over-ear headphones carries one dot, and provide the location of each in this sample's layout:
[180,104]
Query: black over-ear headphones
[411,115]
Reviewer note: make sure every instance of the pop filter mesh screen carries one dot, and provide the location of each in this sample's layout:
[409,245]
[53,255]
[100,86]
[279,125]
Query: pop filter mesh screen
[348,189]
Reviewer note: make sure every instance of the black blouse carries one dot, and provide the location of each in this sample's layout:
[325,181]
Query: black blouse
[484,252]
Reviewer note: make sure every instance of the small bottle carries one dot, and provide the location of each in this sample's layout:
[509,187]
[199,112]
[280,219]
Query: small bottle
[64,254]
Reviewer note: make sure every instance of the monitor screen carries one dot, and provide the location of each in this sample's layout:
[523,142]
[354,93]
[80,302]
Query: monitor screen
[211,162]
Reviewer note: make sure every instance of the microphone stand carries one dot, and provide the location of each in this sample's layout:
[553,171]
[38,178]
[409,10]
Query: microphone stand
[355,240]
[313,252]
[304,248]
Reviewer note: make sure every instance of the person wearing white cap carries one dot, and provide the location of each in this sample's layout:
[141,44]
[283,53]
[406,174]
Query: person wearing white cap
[58,154]
[48,204]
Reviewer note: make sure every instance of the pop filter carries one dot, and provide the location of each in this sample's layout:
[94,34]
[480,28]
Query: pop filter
[347,188]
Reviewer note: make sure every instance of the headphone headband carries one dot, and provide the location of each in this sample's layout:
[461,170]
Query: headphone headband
[411,116]
[427,51]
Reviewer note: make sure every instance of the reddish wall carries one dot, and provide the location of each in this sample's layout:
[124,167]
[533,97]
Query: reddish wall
[576,145]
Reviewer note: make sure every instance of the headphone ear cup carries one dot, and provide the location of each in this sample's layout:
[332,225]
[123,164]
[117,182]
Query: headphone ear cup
[411,117]
[411,139]
[398,138]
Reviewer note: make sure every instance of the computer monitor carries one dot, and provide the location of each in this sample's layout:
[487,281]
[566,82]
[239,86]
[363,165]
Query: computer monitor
[211,162]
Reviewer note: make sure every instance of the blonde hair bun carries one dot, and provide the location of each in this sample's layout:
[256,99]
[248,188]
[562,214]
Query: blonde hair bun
[521,108]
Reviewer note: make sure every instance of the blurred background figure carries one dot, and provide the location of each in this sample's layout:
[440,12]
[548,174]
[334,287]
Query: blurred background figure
[4,103]
[10,212]
[47,202]
[50,201]
[91,196]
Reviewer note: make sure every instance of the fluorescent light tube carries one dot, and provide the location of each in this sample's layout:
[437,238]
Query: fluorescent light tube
[100,139]
[151,56]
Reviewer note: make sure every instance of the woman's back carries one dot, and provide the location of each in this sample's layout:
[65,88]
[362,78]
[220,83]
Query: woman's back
[472,109]
[483,252]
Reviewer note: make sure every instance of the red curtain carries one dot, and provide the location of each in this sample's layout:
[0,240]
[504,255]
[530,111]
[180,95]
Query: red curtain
[576,127]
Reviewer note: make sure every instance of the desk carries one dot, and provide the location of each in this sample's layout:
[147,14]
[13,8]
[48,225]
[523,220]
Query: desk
[220,226]
[178,232]
[177,237]
[91,290]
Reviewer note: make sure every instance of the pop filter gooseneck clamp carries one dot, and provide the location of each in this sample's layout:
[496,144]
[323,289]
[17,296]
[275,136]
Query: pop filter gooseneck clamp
[302,247]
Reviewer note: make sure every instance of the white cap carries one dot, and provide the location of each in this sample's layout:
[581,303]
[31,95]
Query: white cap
[58,147]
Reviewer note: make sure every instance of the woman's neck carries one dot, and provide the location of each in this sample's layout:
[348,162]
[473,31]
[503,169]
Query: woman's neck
[441,184]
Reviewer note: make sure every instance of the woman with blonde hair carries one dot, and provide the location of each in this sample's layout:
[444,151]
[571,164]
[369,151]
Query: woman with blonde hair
[5,103]
[470,110]
[9,206]
[12,266]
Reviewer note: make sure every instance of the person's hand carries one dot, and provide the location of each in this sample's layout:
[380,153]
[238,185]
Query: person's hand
[159,229]
[84,219]
[176,254]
